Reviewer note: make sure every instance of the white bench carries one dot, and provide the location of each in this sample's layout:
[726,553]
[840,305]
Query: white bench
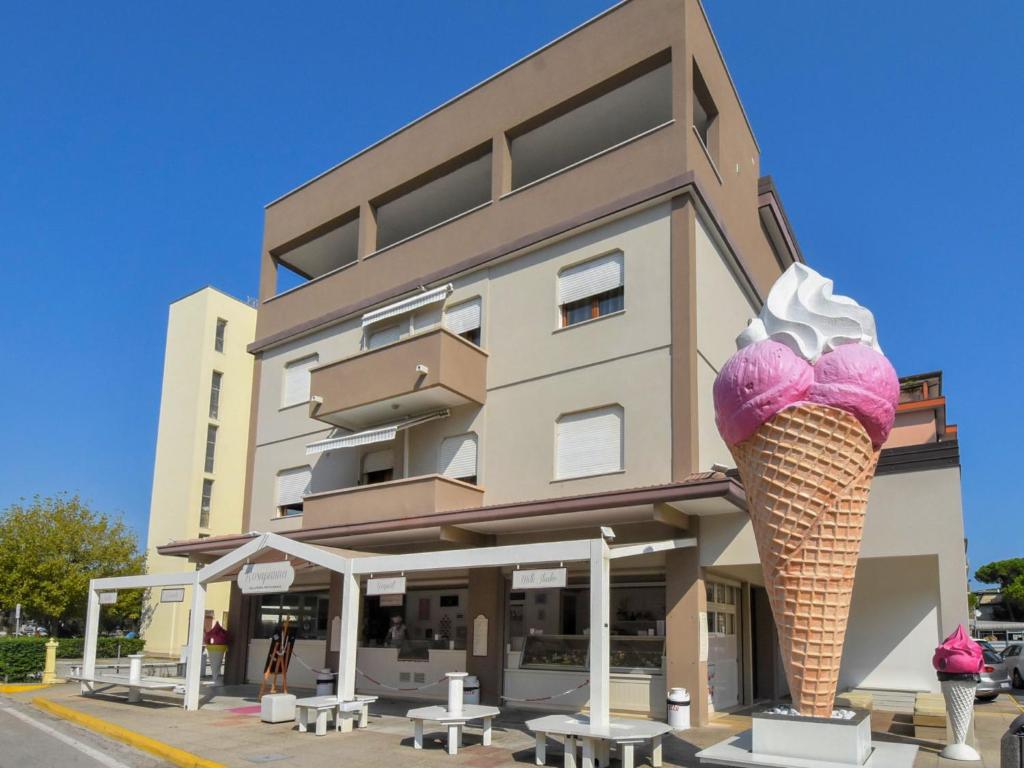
[454,723]
[596,743]
[319,707]
[135,687]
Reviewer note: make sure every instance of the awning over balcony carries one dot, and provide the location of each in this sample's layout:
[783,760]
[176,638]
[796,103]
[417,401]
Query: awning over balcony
[408,305]
[380,434]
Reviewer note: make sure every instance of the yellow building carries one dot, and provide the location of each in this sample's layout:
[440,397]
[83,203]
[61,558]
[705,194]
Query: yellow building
[199,472]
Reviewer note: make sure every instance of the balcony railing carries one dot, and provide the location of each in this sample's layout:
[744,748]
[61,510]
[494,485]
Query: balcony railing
[396,499]
[426,371]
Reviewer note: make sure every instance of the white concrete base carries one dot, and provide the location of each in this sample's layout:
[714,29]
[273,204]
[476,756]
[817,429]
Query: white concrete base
[277,708]
[737,752]
[813,738]
[960,752]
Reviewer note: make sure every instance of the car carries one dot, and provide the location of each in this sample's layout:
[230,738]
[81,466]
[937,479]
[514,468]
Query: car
[986,645]
[995,677]
[1013,655]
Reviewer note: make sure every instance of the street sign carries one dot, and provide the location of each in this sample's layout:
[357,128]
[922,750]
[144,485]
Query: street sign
[108,598]
[264,578]
[173,595]
[17,611]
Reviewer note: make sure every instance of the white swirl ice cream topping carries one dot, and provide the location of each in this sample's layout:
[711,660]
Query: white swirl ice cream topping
[802,313]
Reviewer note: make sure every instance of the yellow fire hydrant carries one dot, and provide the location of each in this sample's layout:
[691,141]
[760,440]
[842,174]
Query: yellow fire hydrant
[50,670]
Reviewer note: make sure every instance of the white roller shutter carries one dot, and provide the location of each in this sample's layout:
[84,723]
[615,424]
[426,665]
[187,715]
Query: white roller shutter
[463,317]
[292,485]
[378,460]
[384,336]
[458,456]
[296,380]
[589,443]
[590,278]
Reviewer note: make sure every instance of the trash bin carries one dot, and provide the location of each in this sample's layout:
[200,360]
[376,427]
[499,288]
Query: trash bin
[1011,746]
[679,709]
[324,682]
[471,690]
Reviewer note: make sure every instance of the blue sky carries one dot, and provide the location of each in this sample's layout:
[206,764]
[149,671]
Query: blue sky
[139,143]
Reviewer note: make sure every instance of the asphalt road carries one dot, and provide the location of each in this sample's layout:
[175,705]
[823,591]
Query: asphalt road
[30,738]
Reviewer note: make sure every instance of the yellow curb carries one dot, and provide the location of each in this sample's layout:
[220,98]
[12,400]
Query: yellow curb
[166,752]
[22,688]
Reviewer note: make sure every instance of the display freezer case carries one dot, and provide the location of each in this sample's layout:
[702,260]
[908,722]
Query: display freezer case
[627,653]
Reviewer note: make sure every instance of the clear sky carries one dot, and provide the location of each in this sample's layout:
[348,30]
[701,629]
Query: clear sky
[139,143]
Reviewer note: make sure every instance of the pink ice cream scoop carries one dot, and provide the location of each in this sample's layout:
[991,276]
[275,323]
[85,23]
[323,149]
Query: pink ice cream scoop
[857,379]
[216,635]
[756,383]
[958,654]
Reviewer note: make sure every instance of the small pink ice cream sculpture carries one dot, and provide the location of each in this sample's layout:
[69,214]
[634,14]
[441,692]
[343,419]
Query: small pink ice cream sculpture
[958,655]
[216,636]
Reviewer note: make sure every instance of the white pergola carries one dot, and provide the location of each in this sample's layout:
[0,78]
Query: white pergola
[598,552]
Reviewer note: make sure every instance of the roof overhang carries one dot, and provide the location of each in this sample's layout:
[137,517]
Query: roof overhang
[709,493]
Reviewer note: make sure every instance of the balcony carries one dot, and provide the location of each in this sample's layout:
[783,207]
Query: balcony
[397,499]
[422,372]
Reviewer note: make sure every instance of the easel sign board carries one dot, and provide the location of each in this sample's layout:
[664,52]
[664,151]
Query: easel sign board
[173,595]
[108,598]
[539,578]
[394,585]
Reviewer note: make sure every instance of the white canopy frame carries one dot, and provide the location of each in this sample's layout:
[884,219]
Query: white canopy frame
[597,552]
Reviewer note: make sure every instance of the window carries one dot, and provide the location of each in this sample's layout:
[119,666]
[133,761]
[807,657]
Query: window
[705,114]
[457,457]
[204,504]
[383,336]
[589,443]
[378,467]
[218,339]
[308,614]
[592,289]
[722,600]
[215,394]
[464,320]
[292,486]
[211,446]
[296,381]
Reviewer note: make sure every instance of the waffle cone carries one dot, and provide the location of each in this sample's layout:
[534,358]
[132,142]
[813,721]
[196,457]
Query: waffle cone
[807,473]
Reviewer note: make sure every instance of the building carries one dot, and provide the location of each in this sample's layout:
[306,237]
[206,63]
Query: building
[202,440]
[501,324]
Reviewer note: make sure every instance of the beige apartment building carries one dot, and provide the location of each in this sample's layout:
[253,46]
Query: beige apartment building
[508,318]
[202,441]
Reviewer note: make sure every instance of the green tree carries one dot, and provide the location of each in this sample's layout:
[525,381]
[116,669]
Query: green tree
[51,548]
[1009,575]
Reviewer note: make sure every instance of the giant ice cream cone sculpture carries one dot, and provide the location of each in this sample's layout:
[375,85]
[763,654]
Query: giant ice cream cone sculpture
[804,406]
[958,661]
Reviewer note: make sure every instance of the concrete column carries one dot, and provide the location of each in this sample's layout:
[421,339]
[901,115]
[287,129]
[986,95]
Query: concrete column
[367,230]
[194,663]
[487,599]
[333,609]
[239,626]
[92,628]
[686,608]
[50,669]
[501,166]
[600,636]
[683,367]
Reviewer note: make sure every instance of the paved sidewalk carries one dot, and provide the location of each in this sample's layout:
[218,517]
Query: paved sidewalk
[228,730]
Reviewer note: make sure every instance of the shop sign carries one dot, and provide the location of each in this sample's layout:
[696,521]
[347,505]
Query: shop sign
[539,578]
[108,598]
[393,585]
[175,595]
[264,578]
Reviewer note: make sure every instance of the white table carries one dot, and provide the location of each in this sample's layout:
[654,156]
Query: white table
[597,742]
[319,707]
[454,723]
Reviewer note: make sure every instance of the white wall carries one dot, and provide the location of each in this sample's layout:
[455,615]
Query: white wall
[894,625]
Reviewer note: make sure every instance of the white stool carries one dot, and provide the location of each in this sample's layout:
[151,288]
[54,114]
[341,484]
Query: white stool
[277,708]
